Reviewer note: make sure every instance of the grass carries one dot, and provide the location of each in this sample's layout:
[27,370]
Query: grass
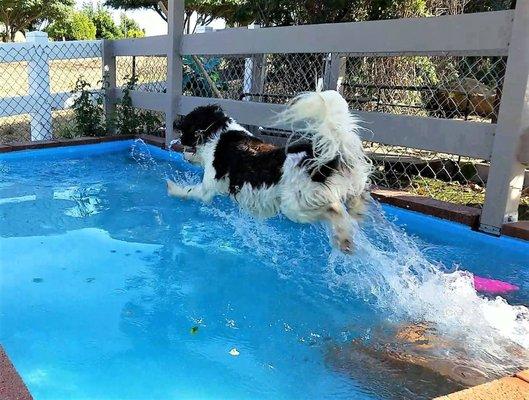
[454,192]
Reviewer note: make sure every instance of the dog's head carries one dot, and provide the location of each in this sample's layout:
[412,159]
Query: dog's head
[198,126]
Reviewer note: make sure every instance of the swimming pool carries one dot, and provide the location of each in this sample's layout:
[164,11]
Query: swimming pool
[110,289]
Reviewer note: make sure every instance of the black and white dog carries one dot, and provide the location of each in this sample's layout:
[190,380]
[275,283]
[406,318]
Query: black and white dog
[324,178]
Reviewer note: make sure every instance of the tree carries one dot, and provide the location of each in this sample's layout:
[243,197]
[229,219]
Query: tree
[106,28]
[137,4]
[130,28]
[78,26]
[20,15]
[206,10]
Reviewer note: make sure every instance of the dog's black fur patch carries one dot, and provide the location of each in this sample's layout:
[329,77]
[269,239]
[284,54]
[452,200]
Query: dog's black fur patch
[243,158]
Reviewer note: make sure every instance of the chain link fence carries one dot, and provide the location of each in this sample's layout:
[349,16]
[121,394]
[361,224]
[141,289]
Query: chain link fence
[144,74]
[35,81]
[463,88]
[149,72]
[449,87]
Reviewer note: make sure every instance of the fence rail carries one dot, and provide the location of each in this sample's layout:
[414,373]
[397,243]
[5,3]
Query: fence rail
[478,34]
[443,98]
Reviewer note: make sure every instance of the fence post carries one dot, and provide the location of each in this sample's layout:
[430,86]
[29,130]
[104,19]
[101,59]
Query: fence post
[334,72]
[506,175]
[39,87]
[110,83]
[254,72]
[175,22]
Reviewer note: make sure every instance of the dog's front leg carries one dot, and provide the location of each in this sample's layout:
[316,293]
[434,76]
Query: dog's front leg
[196,192]
[336,215]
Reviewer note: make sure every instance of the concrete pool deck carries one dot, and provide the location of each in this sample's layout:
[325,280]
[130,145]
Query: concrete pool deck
[509,388]
[11,385]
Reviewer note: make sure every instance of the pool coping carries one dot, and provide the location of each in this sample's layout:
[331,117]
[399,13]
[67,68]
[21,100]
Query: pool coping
[441,209]
[12,386]
[514,387]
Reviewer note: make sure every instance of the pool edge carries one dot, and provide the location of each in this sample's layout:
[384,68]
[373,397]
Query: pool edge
[515,387]
[12,387]
[461,214]
[44,144]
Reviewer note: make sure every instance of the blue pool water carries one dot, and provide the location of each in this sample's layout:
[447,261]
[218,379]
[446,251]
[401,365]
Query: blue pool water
[111,290]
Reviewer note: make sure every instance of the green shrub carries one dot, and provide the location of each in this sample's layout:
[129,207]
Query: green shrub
[130,120]
[76,27]
[88,110]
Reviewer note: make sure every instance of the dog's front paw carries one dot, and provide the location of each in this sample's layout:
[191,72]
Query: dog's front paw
[346,246]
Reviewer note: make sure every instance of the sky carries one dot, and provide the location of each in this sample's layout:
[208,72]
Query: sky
[147,19]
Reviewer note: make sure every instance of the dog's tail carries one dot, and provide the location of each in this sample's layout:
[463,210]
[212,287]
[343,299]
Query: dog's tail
[325,120]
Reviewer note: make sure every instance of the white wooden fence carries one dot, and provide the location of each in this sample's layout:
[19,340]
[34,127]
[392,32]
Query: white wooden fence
[39,102]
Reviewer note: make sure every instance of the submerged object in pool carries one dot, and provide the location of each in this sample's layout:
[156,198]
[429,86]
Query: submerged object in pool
[493,286]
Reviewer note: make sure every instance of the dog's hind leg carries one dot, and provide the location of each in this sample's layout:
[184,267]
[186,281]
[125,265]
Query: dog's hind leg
[196,192]
[340,222]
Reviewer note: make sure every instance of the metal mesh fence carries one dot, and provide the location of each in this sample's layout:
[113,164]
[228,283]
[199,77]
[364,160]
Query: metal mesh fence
[35,81]
[146,74]
[150,72]
[440,176]
[450,87]
[215,76]
[467,88]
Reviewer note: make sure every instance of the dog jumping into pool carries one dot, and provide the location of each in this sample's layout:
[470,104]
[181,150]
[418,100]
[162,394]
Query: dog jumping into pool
[322,177]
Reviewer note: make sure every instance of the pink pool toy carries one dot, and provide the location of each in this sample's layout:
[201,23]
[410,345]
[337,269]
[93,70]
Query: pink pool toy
[493,286]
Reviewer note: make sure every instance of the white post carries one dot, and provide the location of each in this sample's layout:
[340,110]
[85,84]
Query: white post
[109,77]
[175,21]
[39,87]
[334,72]
[254,72]
[506,176]
[248,72]
[247,79]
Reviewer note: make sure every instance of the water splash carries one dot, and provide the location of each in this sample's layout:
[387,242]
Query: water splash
[391,273]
